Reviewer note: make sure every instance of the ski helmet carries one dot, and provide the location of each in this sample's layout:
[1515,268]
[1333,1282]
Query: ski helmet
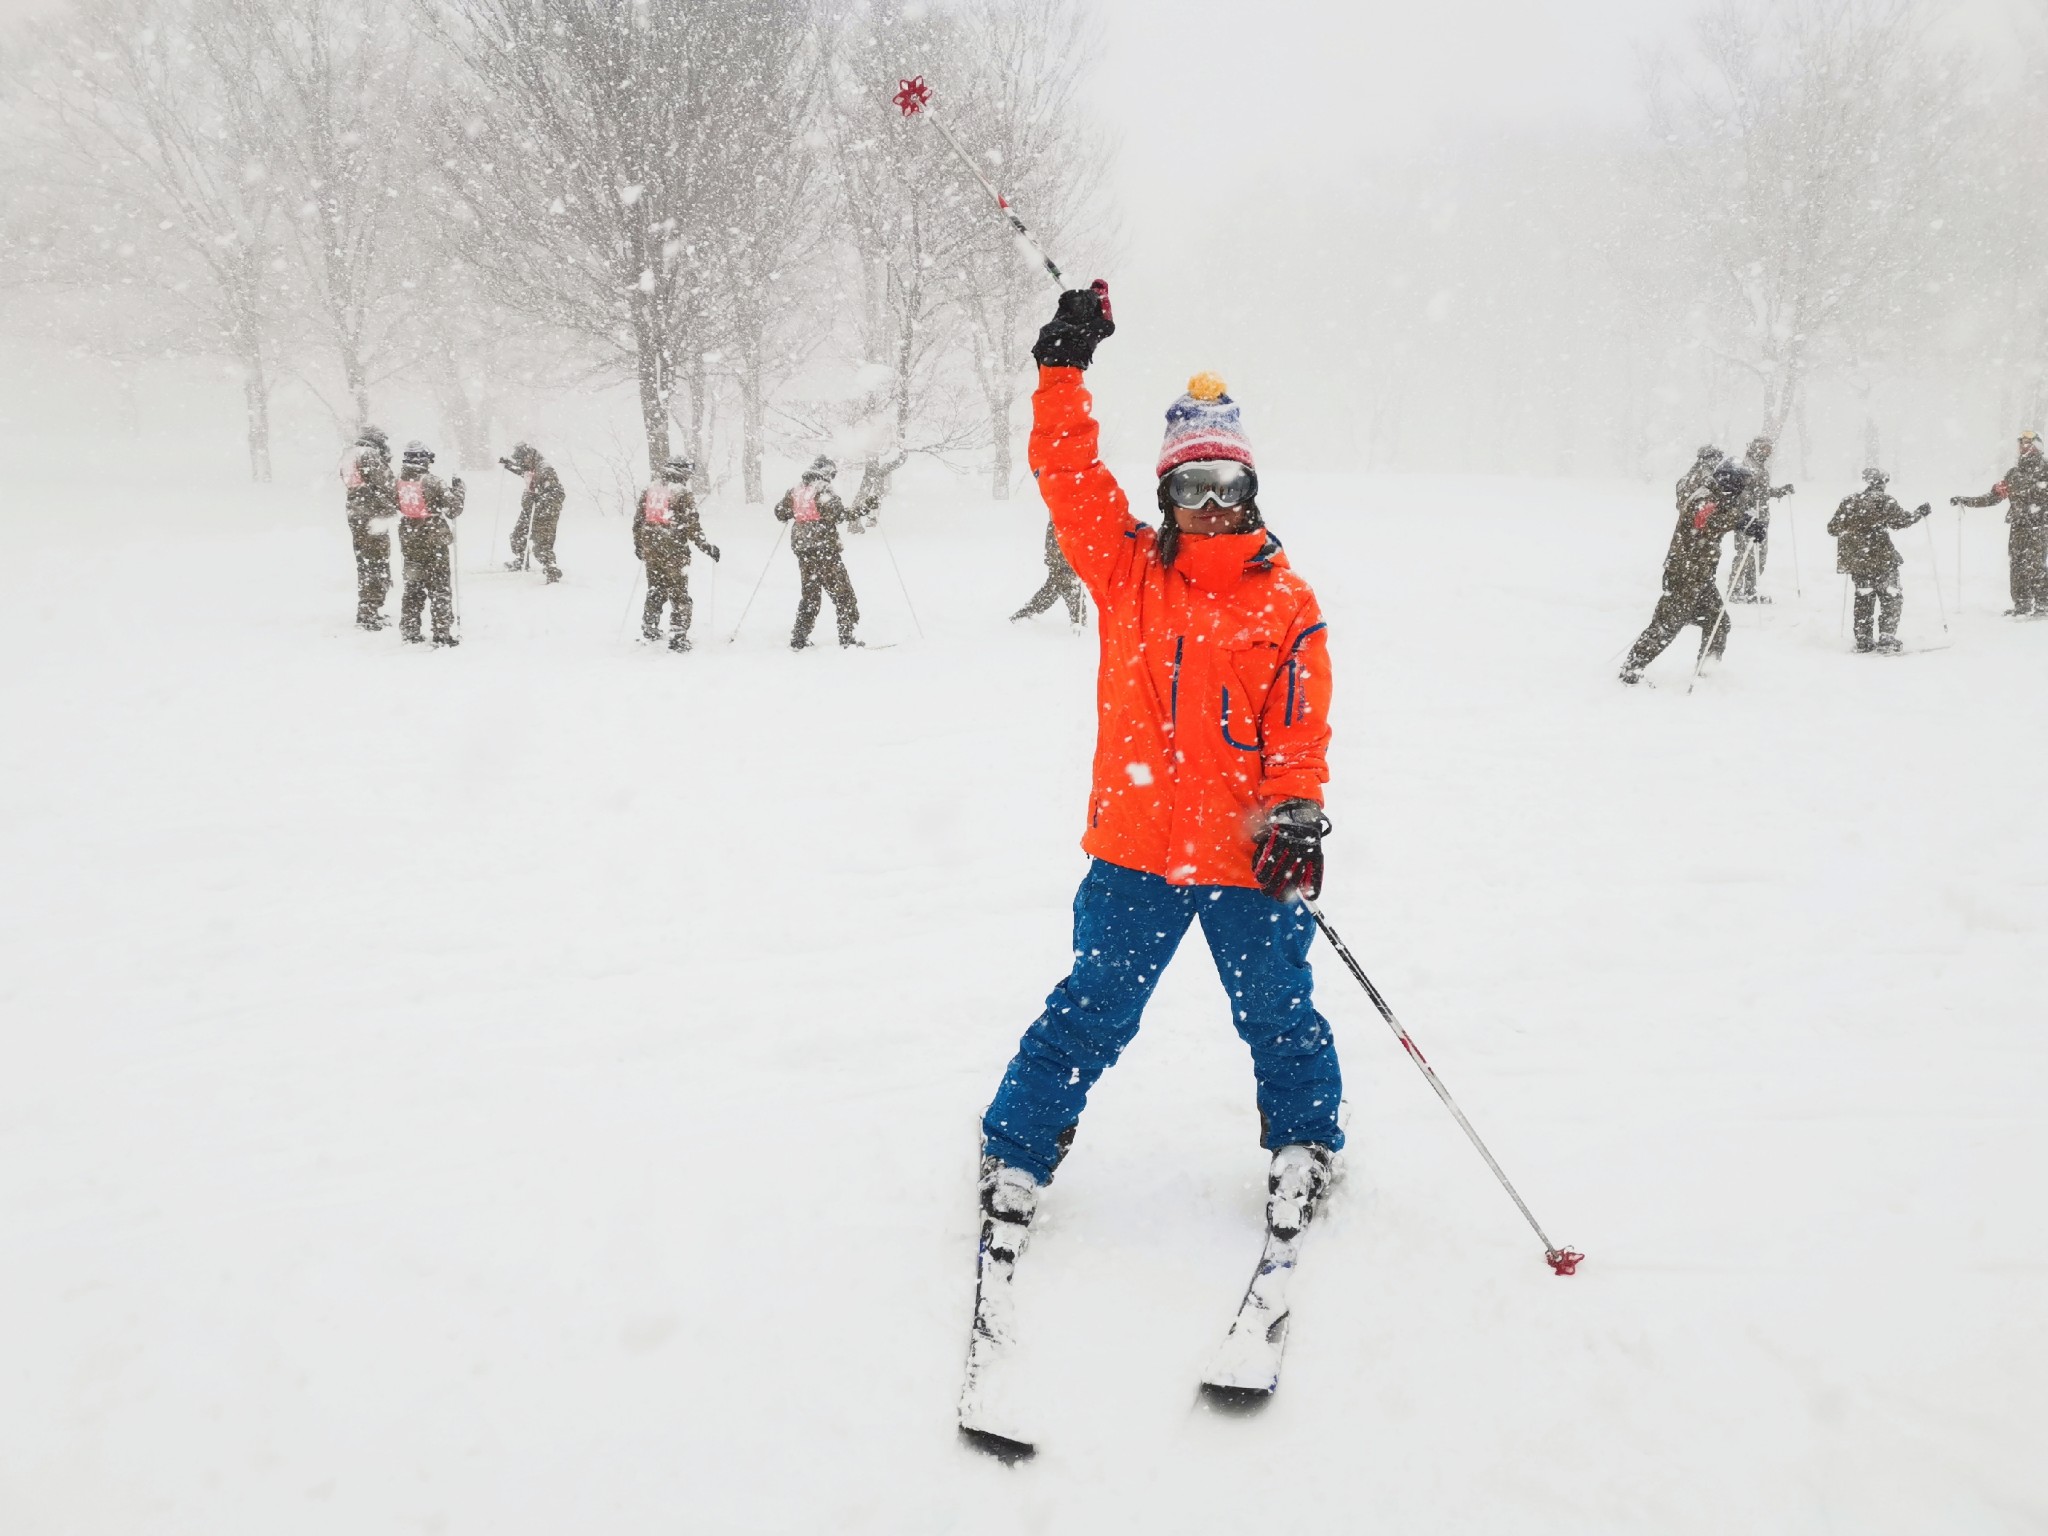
[1875,478]
[418,454]
[822,468]
[678,469]
[1730,478]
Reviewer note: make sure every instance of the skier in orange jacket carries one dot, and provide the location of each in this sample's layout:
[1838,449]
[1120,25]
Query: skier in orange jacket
[1213,696]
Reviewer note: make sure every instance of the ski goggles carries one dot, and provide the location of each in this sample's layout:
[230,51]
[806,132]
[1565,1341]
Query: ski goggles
[1221,482]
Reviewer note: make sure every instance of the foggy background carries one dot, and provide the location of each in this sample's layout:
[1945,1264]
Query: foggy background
[1577,239]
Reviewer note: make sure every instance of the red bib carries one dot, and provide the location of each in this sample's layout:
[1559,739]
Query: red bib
[654,504]
[412,499]
[804,504]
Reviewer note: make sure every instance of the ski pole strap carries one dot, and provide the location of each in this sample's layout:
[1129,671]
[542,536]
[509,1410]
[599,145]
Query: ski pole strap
[1563,1261]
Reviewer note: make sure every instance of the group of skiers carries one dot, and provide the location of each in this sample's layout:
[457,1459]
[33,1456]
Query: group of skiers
[1718,496]
[667,529]
[426,510]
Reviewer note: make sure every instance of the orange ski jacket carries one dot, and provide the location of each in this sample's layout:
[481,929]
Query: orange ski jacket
[1213,689]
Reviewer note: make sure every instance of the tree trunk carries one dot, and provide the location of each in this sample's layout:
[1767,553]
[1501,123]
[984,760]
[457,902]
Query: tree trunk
[999,426]
[751,425]
[256,396]
[467,421]
[648,359]
[698,408]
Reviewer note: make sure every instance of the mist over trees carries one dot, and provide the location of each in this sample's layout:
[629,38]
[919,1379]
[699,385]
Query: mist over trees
[1823,227]
[714,201]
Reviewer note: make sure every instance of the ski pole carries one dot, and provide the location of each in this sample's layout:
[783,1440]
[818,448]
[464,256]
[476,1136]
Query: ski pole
[1940,607]
[1706,645]
[1563,1261]
[914,99]
[1792,524]
[899,577]
[749,608]
[1843,628]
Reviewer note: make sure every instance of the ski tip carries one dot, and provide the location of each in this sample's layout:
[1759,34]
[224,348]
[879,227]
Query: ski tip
[1237,1400]
[998,1447]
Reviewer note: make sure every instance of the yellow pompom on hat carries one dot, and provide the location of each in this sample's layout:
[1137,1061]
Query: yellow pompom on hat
[1203,424]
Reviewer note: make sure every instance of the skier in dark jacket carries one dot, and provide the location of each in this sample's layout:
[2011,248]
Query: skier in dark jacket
[2025,492]
[1747,554]
[540,509]
[665,529]
[1690,595]
[367,483]
[1864,552]
[427,510]
[815,516]
[1060,583]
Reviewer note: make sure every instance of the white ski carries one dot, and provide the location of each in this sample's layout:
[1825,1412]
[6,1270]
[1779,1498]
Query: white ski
[1246,1367]
[988,1421]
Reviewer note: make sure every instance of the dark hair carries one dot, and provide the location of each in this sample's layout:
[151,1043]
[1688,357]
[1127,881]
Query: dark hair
[1169,525]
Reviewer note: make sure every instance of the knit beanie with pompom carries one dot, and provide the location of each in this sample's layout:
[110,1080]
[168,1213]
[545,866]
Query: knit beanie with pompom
[1203,424]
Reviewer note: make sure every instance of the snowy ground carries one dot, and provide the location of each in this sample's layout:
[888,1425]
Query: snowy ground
[533,1088]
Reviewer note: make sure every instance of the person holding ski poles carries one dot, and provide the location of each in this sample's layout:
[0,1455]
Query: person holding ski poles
[1705,517]
[1213,693]
[1864,552]
[540,509]
[1750,552]
[1061,584]
[2025,492]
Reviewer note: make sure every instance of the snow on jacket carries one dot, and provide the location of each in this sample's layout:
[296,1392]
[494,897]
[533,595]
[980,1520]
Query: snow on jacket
[1862,527]
[1213,688]
[815,515]
[2024,490]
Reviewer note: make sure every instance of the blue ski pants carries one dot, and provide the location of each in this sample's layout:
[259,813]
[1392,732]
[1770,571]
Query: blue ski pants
[1127,924]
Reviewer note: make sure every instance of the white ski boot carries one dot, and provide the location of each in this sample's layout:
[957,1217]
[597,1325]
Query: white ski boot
[1295,1183]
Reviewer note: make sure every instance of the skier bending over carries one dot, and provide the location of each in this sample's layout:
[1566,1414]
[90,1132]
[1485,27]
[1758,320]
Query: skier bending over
[1690,597]
[1213,697]
[1865,553]
[540,509]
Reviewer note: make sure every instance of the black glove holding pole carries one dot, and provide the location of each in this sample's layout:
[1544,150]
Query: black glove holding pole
[1077,327]
[1288,856]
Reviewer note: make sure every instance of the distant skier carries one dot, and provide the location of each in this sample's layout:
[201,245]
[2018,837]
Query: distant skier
[1864,552]
[665,529]
[367,484]
[815,516]
[427,510]
[1211,740]
[1704,463]
[540,509]
[1690,595]
[1060,583]
[1748,553]
[2025,491]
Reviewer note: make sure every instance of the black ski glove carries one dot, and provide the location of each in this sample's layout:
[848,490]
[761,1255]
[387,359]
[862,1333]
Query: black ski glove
[1288,855]
[1955,501]
[711,552]
[1925,509]
[1080,324]
[1783,490]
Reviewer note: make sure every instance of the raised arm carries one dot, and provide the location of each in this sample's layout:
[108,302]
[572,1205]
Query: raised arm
[1990,499]
[1091,516]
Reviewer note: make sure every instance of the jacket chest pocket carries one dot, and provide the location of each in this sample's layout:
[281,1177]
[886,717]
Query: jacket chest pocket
[1250,670]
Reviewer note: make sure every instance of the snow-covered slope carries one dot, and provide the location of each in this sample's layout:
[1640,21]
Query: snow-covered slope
[533,1088]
